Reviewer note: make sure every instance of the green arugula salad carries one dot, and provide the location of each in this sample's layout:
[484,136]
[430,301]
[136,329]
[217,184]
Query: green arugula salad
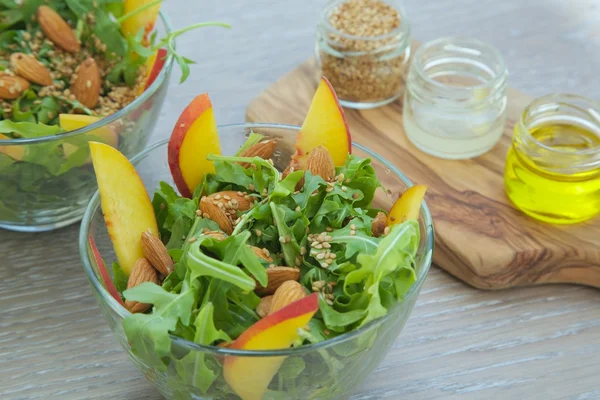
[66,64]
[248,246]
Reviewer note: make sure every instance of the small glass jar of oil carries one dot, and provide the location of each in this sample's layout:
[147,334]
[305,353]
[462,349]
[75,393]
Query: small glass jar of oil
[553,167]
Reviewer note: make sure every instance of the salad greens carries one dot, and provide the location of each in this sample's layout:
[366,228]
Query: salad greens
[45,181]
[209,298]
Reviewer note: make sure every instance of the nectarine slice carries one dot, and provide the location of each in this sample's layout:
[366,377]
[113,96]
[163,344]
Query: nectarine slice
[14,152]
[154,64]
[325,125]
[145,19]
[125,203]
[194,137]
[72,122]
[108,283]
[408,205]
[249,377]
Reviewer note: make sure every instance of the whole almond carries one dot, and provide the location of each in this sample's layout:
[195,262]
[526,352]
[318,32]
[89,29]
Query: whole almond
[87,84]
[30,68]
[319,162]
[232,200]
[142,272]
[156,252]
[217,214]
[12,87]
[264,149]
[262,253]
[379,223]
[57,29]
[286,294]
[276,276]
[264,307]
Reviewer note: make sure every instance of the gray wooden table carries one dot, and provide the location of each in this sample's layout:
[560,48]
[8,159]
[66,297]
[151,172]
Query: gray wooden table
[460,343]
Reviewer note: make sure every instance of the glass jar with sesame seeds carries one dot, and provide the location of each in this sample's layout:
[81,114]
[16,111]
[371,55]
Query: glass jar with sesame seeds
[363,48]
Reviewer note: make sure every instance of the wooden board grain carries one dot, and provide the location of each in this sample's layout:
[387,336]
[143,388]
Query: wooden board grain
[480,237]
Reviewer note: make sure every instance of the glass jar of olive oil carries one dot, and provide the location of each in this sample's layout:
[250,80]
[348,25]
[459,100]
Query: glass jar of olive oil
[553,167]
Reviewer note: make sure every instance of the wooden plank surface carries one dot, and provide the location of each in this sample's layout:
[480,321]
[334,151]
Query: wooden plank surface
[460,343]
[480,237]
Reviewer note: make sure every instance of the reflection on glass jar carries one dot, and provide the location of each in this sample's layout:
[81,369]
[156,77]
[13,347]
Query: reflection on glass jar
[553,167]
[363,47]
[455,102]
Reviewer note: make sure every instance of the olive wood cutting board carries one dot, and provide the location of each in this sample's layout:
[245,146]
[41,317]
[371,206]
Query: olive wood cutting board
[479,236]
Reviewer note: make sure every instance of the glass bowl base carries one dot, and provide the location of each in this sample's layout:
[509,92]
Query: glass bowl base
[366,106]
[43,224]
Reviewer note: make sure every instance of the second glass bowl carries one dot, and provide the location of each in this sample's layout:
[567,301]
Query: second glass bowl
[42,189]
[332,369]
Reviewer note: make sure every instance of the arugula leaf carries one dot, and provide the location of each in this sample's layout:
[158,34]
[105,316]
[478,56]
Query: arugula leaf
[28,129]
[395,252]
[119,278]
[200,264]
[197,368]
[289,245]
[148,334]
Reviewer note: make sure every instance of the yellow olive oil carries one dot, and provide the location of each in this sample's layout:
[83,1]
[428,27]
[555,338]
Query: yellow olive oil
[543,193]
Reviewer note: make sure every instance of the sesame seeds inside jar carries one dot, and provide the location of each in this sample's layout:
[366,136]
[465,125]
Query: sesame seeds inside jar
[363,48]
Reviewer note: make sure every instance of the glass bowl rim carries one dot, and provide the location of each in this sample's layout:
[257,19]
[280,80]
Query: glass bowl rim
[403,30]
[497,82]
[122,312]
[573,101]
[160,79]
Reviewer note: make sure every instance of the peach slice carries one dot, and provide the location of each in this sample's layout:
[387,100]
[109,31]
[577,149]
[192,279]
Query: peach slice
[249,377]
[154,64]
[71,122]
[325,124]
[194,137]
[14,152]
[125,203]
[110,286]
[145,19]
[408,205]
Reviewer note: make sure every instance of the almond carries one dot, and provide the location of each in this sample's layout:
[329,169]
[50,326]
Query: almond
[232,200]
[142,272]
[264,149]
[87,83]
[57,29]
[319,162]
[217,214]
[156,252]
[215,235]
[276,276]
[379,223]
[264,307]
[262,253]
[12,87]
[286,294]
[30,68]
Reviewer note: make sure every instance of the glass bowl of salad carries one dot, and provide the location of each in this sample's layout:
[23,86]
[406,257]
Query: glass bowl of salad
[358,276]
[73,72]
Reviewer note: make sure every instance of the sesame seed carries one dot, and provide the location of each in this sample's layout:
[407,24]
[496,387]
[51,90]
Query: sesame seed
[352,226]
[226,197]
[271,265]
[182,125]
[332,256]
[192,239]
[329,189]
[329,229]
[302,250]
[205,215]
[344,189]
[320,256]
[258,232]
[330,303]
[298,209]
[298,261]
[251,186]
[199,213]
[218,197]
[324,265]
[352,233]
[326,245]
[347,180]
[386,230]
[318,246]
[267,252]
[281,239]
[240,193]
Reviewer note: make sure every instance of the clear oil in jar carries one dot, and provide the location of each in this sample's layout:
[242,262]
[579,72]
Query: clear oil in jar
[550,195]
